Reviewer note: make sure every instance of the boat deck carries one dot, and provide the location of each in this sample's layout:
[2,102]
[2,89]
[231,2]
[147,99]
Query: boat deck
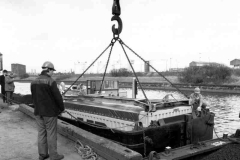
[18,138]
[109,105]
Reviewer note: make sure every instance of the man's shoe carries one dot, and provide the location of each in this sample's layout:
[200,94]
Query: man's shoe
[57,157]
[43,157]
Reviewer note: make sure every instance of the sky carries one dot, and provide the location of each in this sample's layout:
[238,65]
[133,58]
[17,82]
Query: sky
[73,33]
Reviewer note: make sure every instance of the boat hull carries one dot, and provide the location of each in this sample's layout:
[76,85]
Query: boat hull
[156,138]
[175,134]
[174,131]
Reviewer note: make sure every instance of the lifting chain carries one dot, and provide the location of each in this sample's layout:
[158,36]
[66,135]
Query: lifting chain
[85,151]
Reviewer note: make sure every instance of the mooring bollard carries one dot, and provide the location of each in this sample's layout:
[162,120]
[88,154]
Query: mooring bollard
[167,150]
[225,135]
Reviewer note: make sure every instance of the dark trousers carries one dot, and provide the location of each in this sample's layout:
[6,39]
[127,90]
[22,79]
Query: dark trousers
[3,94]
[47,135]
[9,95]
[195,106]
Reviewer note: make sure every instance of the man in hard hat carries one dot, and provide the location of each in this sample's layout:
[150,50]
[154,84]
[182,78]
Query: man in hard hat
[48,104]
[196,100]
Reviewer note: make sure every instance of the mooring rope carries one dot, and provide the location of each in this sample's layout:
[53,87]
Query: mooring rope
[85,152]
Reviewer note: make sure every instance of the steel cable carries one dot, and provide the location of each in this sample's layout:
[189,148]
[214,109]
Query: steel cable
[112,44]
[153,68]
[149,103]
[88,68]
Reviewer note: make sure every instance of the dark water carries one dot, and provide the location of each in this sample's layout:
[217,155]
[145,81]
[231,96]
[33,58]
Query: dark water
[226,107]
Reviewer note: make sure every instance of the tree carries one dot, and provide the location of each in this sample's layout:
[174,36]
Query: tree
[122,72]
[206,74]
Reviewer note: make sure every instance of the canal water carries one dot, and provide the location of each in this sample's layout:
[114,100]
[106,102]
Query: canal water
[225,106]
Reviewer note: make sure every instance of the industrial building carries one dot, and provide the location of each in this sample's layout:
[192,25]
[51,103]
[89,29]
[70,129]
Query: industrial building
[18,69]
[147,67]
[199,64]
[1,62]
[235,63]
[176,69]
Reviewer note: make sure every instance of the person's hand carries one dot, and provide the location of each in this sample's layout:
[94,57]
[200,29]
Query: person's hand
[199,109]
[61,112]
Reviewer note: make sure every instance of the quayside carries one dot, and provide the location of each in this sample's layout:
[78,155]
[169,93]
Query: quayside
[143,125]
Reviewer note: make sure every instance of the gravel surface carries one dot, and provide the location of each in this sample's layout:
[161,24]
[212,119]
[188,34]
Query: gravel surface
[229,152]
[18,137]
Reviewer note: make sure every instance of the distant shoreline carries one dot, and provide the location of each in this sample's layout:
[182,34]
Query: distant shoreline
[158,83]
[172,79]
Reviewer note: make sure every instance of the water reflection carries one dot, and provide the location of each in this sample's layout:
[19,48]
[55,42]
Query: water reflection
[225,107]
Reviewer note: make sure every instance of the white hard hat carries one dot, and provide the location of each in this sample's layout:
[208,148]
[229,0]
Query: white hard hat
[197,90]
[49,65]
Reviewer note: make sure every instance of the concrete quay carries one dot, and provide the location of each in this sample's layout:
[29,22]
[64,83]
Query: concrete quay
[102,146]
[18,137]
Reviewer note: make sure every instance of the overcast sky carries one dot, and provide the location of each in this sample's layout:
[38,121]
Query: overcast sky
[72,33]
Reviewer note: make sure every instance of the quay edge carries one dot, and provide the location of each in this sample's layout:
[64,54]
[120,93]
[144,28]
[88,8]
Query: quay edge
[102,146]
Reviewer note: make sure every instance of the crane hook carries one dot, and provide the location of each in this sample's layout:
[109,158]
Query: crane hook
[116,11]
[117,31]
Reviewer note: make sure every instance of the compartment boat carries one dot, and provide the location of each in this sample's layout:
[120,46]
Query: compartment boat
[132,122]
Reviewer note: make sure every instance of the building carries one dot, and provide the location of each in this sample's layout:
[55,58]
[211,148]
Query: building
[18,69]
[1,62]
[235,63]
[147,67]
[199,64]
[176,69]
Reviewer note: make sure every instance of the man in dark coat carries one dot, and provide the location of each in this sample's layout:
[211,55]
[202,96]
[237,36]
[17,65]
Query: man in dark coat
[2,83]
[48,104]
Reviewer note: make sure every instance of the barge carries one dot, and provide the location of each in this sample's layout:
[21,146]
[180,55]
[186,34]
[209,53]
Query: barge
[131,122]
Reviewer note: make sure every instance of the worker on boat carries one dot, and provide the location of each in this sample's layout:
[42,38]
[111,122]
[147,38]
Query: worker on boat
[196,100]
[48,104]
[81,90]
